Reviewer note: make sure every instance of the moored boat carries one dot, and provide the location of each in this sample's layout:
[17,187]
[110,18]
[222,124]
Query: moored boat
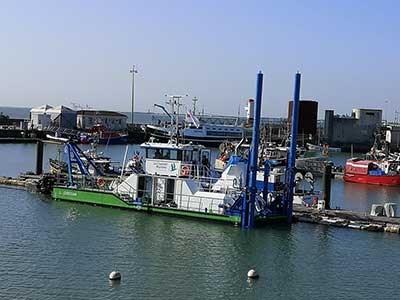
[384,172]
[176,180]
[102,135]
[199,129]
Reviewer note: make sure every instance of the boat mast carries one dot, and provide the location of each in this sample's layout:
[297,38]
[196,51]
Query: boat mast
[175,104]
[133,71]
[194,105]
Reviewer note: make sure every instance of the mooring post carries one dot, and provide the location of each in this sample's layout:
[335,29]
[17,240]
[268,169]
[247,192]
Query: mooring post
[290,170]
[327,179]
[254,151]
[39,157]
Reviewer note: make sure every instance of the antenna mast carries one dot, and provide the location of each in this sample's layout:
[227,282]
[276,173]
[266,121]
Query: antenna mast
[175,103]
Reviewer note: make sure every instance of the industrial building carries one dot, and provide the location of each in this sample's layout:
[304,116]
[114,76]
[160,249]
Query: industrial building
[308,117]
[114,121]
[46,116]
[358,129]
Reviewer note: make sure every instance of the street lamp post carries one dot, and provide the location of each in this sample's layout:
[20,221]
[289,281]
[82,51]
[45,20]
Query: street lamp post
[386,112]
[133,71]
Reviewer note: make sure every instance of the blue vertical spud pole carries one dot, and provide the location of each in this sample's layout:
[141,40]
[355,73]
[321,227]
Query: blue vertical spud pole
[254,151]
[290,172]
[266,175]
[69,164]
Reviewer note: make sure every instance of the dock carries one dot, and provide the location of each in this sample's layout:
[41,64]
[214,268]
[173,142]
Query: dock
[345,219]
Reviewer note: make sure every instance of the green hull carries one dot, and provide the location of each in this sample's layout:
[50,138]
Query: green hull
[111,200]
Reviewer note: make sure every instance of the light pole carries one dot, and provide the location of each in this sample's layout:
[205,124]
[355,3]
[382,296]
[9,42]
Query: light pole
[133,71]
[386,111]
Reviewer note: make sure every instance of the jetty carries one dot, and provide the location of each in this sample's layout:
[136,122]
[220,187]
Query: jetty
[346,219]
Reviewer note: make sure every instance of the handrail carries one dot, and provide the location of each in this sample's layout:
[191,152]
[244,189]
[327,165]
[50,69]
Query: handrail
[157,195]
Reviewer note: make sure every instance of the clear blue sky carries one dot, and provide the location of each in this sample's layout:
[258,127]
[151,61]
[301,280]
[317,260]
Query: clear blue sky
[59,52]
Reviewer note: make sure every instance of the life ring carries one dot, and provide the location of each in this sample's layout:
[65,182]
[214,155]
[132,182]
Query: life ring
[185,170]
[101,182]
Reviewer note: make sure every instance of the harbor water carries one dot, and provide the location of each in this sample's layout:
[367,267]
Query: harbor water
[58,250]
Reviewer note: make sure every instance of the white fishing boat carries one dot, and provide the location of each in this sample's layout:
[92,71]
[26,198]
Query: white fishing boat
[196,129]
[323,148]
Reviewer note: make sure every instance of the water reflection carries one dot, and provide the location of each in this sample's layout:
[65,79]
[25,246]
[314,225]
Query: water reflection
[114,283]
[71,214]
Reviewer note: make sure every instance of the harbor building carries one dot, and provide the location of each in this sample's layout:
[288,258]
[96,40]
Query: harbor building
[358,129]
[46,116]
[308,118]
[115,121]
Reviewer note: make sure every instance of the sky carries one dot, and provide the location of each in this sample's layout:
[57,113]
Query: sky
[63,52]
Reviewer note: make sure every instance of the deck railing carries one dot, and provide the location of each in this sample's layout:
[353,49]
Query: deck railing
[156,192]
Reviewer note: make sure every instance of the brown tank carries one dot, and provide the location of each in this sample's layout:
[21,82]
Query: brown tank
[308,117]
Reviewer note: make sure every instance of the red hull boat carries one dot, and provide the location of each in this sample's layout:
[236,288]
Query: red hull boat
[383,172]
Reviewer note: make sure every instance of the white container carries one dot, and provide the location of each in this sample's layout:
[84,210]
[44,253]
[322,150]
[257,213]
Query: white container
[390,209]
[377,210]
[321,204]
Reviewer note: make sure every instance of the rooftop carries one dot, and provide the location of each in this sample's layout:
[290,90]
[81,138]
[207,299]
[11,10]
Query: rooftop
[100,113]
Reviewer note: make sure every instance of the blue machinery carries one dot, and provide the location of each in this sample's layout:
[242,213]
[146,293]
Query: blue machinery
[74,155]
[249,198]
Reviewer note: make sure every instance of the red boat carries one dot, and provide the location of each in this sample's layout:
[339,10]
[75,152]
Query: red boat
[384,172]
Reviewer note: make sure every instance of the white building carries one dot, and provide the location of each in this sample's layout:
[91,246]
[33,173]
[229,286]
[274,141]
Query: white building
[112,120]
[48,116]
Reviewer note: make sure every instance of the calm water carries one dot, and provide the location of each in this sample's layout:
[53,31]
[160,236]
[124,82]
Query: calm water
[59,250]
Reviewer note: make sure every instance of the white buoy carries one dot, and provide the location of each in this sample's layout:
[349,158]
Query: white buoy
[252,274]
[114,275]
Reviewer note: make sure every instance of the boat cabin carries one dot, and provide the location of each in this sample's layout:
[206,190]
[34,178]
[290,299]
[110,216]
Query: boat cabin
[175,160]
[361,167]
[374,168]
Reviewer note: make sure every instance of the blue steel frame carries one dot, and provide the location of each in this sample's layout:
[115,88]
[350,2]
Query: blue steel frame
[254,156]
[77,153]
[290,170]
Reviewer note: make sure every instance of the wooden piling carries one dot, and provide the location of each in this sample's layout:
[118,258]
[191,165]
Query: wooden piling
[39,157]
[327,179]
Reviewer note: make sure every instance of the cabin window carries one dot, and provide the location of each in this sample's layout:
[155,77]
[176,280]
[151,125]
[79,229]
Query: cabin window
[195,155]
[176,155]
[187,155]
[171,154]
[166,154]
[153,153]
